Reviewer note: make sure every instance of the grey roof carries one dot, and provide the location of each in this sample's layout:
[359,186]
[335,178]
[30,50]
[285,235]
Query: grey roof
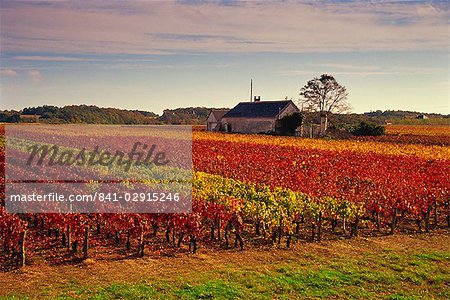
[260,109]
[219,113]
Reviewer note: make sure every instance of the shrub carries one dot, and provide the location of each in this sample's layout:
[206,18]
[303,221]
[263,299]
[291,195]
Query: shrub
[368,129]
[288,124]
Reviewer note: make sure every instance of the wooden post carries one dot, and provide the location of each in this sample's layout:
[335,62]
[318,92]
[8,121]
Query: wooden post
[427,219]
[141,244]
[116,237]
[68,239]
[323,123]
[435,215]
[23,248]
[86,242]
[394,221]
[288,241]
[219,237]
[128,239]
[319,227]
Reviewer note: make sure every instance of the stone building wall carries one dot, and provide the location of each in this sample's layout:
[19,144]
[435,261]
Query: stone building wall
[254,125]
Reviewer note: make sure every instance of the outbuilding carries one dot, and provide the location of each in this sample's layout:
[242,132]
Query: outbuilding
[214,117]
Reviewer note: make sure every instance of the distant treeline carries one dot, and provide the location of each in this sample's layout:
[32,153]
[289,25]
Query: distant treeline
[409,117]
[91,114]
[79,114]
[402,114]
[189,115]
[343,121]
[192,115]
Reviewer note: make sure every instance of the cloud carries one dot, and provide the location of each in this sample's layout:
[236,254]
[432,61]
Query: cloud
[49,58]
[362,70]
[417,70]
[9,72]
[157,27]
[35,75]
[348,66]
[295,73]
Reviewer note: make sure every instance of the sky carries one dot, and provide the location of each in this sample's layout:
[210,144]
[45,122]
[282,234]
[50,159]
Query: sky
[153,55]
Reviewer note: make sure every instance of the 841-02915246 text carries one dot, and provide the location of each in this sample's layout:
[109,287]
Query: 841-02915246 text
[97,196]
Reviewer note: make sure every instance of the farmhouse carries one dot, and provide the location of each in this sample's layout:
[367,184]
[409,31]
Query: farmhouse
[214,117]
[421,116]
[256,117]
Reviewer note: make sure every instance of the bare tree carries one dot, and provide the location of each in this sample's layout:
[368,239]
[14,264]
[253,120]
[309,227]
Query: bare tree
[326,96]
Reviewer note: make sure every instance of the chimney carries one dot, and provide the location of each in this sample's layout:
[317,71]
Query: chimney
[257,99]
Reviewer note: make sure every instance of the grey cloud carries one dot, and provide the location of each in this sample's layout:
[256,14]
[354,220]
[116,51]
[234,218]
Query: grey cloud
[168,27]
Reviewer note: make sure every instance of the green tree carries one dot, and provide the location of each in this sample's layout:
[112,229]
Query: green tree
[324,95]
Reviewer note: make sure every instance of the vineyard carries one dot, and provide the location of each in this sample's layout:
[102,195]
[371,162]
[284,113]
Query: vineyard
[261,190]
